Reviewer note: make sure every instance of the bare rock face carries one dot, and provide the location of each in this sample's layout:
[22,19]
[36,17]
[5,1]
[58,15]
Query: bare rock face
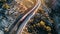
[1,32]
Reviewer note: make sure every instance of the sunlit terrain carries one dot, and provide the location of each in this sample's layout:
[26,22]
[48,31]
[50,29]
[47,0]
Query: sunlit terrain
[29,16]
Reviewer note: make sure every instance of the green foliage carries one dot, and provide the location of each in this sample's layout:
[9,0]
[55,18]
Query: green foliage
[6,6]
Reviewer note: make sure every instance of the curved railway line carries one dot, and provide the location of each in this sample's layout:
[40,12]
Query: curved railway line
[27,17]
[21,23]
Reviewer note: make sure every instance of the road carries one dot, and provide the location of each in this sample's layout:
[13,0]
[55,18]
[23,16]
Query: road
[24,20]
[27,17]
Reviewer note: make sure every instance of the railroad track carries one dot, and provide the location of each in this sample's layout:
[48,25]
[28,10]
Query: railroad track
[21,23]
[27,17]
